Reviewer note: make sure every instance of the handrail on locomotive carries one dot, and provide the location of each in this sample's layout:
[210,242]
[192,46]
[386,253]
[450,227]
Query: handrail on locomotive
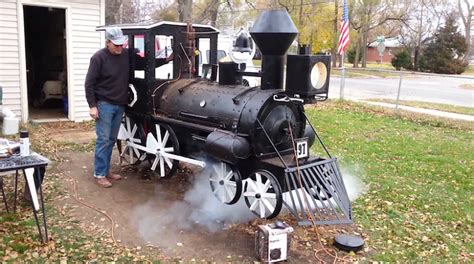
[254,141]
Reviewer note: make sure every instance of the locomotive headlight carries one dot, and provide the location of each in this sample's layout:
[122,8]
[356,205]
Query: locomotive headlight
[319,75]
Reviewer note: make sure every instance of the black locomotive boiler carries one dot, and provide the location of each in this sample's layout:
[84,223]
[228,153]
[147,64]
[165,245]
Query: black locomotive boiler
[256,140]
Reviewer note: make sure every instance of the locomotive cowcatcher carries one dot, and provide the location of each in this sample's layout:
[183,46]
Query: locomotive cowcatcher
[253,141]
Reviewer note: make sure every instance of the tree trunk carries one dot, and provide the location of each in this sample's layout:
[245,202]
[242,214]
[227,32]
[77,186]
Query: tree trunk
[213,15]
[357,54]
[364,49]
[416,57]
[418,41]
[467,21]
[185,10]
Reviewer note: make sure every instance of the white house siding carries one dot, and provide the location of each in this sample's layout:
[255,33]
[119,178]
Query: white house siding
[82,16]
[9,56]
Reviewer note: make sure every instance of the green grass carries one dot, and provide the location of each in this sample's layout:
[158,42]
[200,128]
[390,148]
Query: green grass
[435,106]
[469,71]
[420,176]
[372,70]
[418,207]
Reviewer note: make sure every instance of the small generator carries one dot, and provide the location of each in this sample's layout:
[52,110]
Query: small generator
[272,242]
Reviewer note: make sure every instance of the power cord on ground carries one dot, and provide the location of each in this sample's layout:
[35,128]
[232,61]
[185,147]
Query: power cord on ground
[76,197]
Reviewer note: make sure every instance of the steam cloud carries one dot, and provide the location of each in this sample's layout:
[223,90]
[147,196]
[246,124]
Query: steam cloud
[201,211]
[354,185]
[198,211]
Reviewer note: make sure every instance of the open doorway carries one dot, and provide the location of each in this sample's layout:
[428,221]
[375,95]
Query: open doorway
[46,61]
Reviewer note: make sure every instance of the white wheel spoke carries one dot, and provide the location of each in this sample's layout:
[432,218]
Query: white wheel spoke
[216,171]
[268,205]
[168,149]
[134,130]
[252,185]
[250,194]
[127,127]
[229,175]
[266,186]
[165,138]
[123,151]
[168,162]
[268,195]
[254,204]
[258,177]
[155,163]
[231,183]
[228,192]
[135,140]
[137,153]
[158,134]
[262,208]
[162,167]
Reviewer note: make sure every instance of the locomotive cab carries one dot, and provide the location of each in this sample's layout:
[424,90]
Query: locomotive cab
[161,53]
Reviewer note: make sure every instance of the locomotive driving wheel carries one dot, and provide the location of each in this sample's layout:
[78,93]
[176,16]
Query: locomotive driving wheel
[226,182]
[130,135]
[163,143]
[263,194]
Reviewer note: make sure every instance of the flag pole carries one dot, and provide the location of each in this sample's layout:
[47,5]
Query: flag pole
[343,78]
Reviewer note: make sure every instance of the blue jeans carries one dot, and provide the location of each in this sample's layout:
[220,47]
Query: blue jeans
[106,128]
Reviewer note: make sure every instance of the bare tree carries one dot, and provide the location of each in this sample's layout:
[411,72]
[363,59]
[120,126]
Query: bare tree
[367,15]
[467,17]
[111,11]
[209,13]
[425,17]
[185,10]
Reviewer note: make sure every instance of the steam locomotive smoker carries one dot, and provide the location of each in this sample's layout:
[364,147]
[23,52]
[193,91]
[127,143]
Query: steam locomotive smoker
[259,137]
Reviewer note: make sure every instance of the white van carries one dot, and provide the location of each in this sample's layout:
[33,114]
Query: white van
[224,46]
[163,50]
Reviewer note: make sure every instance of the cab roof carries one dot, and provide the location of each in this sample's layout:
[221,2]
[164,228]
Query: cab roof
[153,25]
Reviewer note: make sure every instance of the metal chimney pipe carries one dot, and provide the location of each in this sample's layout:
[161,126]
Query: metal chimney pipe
[273,32]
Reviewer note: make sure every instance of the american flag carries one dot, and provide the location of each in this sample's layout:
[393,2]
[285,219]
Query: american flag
[344,32]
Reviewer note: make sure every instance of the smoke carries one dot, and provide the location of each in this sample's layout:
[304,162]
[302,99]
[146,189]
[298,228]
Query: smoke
[199,210]
[301,199]
[354,185]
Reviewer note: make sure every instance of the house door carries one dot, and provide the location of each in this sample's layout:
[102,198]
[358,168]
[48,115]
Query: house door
[46,61]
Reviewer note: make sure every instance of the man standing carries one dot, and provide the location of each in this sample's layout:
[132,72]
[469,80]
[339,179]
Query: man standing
[107,94]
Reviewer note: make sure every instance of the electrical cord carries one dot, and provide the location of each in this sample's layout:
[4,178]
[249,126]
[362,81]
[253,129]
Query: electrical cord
[308,211]
[76,197]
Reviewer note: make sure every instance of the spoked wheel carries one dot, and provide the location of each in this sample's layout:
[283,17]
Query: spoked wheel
[131,133]
[226,182]
[323,193]
[162,140]
[263,194]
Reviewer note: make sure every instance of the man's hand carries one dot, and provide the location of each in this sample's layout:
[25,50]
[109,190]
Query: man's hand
[94,113]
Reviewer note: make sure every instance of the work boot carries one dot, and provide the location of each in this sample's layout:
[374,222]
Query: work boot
[113,176]
[103,182]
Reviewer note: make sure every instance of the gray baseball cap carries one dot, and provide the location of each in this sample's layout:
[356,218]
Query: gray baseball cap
[115,35]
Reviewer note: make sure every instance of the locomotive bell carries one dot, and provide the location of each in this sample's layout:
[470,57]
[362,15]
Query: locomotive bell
[273,32]
[242,50]
[242,43]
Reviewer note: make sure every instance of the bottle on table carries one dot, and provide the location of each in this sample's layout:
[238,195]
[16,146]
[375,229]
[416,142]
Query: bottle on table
[24,143]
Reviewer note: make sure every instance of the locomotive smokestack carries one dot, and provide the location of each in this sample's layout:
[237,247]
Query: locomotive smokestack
[273,32]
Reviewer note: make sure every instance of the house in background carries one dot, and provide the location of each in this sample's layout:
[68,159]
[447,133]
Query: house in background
[45,48]
[392,47]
